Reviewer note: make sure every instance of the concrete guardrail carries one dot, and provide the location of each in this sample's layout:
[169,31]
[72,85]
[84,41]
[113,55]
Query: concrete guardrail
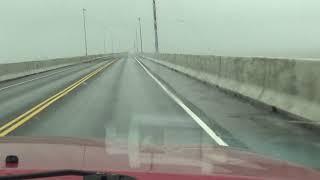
[16,70]
[289,85]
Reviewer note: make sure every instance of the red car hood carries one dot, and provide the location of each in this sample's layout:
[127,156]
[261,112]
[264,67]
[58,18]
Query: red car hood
[146,162]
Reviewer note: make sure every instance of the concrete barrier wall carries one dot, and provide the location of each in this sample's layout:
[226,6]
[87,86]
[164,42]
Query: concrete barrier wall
[16,70]
[242,75]
[290,85]
[293,85]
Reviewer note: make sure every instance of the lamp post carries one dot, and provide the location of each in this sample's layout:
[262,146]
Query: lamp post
[141,46]
[155,24]
[85,30]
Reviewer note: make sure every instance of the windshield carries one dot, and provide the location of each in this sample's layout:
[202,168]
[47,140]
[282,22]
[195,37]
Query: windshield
[149,76]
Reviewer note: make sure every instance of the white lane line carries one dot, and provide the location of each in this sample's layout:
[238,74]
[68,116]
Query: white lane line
[17,84]
[196,118]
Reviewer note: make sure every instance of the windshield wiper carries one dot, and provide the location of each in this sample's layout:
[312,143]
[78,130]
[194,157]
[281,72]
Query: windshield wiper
[87,175]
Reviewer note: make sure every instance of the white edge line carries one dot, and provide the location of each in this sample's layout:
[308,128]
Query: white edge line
[196,118]
[30,80]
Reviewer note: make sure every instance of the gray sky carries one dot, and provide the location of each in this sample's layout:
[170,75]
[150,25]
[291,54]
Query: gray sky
[39,29]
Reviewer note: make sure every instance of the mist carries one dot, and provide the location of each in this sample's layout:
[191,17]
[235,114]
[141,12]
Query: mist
[44,29]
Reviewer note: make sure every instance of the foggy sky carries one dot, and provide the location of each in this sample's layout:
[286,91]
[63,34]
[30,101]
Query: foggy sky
[40,29]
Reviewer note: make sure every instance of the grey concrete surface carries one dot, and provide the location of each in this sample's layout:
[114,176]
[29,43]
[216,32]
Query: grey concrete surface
[124,104]
[242,124]
[18,99]
[17,70]
[290,85]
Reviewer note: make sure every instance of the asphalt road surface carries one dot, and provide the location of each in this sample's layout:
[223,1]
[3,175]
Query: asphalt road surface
[134,100]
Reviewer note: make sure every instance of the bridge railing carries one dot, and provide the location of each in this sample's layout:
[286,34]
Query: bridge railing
[289,85]
[15,70]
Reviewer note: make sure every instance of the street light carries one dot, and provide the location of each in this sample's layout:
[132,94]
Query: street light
[105,40]
[85,30]
[137,44]
[155,26]
[104,44]
[139,19]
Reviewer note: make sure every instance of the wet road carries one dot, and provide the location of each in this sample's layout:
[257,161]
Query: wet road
[124,103]
[120,102]
[244,125]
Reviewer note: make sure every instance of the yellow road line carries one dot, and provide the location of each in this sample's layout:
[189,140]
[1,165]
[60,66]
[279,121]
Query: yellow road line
[42,103]
[39,105]
[20,120]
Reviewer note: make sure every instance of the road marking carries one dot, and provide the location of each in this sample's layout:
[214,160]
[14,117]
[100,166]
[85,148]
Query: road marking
[37,106]
[25,117]
[24,82]
[196,118]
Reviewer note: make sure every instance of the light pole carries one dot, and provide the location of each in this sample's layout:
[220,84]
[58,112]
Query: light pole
[105,40]
[137,41]
[155,26]
[140,35]
[112,47]
[104,44]
[85,30]
[112,43]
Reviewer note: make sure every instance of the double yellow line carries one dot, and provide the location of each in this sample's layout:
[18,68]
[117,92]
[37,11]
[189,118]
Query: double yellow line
[25,117]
